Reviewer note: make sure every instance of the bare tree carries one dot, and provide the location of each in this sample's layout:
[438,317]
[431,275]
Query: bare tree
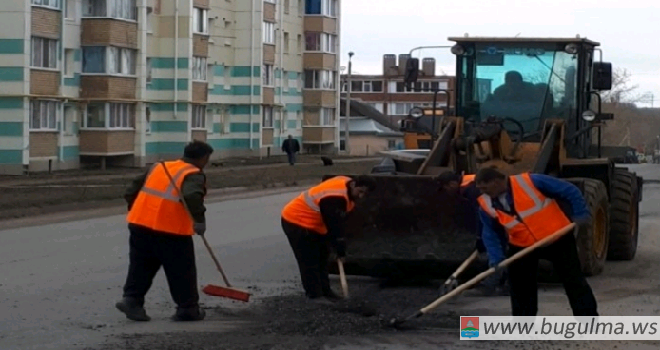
[623,91]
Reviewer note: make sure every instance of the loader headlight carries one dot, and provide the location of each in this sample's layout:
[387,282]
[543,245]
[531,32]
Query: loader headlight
[571,49]
[588,116]
[457,50]
[416,112]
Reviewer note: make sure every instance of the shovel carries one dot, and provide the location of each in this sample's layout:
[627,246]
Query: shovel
[352,306]
[452,281]
[547,240]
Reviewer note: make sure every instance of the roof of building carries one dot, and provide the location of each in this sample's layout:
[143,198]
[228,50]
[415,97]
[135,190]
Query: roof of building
[365,126]
[520,40]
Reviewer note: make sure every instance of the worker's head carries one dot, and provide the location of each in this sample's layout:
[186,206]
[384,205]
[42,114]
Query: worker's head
[449,182]
[491,181]
[513,78]
[198,153]
[290,137]
[359,186]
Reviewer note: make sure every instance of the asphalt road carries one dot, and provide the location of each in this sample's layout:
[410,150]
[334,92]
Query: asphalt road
[59,283]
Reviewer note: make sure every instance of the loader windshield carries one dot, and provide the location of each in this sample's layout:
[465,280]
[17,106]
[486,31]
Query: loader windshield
[528,83]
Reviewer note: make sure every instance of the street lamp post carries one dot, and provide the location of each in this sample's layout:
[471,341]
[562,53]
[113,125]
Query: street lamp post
[348,105]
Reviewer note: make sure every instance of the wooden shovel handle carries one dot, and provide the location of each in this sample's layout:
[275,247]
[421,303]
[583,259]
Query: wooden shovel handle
[342,277]
[206,243]
[465,264]
[483,275]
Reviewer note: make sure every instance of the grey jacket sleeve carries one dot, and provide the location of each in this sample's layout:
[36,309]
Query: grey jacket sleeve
[193,190]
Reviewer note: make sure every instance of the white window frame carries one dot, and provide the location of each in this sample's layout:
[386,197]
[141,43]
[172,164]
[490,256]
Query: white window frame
[327,116]
[203,21]
[200,69]
[116,116]
[268,76]
[268,35]
[198,117]
[50,4]
[125,61]
[50,118]
[125,10]
[324,42]
[271,1]
[267,117]
[321,79]
[44,44]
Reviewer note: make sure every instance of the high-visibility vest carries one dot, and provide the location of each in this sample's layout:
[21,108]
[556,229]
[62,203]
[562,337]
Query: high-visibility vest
[305,210]
[467,180]
[157,205]
[538,215]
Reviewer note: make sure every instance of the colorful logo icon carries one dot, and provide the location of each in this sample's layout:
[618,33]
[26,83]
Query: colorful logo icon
[469,327]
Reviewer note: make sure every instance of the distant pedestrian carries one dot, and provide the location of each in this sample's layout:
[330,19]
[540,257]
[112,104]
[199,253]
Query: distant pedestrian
[161,232]
[290,146]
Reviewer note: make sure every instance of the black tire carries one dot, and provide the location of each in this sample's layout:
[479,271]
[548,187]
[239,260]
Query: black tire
[592,250]
[624,216]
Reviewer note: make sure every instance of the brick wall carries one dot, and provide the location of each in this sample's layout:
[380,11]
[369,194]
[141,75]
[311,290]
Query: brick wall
[318,134]
[268,95]
[201,3]
[200,45]
[269,12]
[107,142]
[103,31]
[108,87]
[200,93]
[43,144]
[319,61]
[269,54]
[44,82]
[46,23]
[320,98]
[267,137]
[320,24]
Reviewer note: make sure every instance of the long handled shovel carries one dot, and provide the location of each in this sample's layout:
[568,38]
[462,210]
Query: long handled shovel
[398,321]
[213,290]
[452,281]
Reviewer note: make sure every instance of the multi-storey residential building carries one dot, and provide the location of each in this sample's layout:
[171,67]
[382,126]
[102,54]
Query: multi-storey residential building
[129,82]
[388,94]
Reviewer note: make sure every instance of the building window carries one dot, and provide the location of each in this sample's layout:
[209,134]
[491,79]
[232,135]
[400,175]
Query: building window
[364,86]
[320,79]
[200,68]
[43,115]
[147,119]
[391,144]
[286,6]
[149,70]
[54,4]
[150,19]
[69,61]
[321,42]
[377,106]
[269,33]
[286,42]
[419,87]
[198,117]
[44,52]
[327,116]
[268,78]
[108,60]
[122,9]
[200,20]
[70,12]
[403,108]
[267,118]
[321,7]
[110,115]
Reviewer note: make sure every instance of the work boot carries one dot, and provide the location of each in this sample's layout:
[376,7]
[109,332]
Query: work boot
[332,296]
[321,301]
[189,314]
[132,310]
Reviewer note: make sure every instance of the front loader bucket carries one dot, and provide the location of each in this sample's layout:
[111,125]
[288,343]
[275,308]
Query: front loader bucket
[407,225]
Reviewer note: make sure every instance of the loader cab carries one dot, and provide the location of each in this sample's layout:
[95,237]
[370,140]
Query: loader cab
[529,80]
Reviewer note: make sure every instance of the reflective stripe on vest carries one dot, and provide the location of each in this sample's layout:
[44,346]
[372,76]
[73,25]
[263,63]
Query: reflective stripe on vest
[310,200]
[467,180]
[170,192]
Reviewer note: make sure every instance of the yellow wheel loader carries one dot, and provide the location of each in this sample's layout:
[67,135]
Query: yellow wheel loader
[522,105]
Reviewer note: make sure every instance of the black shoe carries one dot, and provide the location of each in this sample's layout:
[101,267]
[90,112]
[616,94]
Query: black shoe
[332,296]
[189,314]
[132,311]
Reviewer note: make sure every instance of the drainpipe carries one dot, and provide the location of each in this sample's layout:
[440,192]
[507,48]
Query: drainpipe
[281,67]
[176,57]
[63,63]
[252,11]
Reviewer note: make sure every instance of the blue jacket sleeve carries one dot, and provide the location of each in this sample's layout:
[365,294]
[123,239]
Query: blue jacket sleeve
[560,189]
[492,241]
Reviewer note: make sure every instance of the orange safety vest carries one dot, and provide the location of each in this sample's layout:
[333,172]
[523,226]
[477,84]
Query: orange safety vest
[157,205]
[305,209]
[467,180]
[541,216]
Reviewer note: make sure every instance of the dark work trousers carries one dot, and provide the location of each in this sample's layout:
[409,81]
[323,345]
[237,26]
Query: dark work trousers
[291,157]
[149,250]
[564,257]
[312,253]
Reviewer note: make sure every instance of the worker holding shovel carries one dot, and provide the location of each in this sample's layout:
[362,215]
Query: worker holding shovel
[526,207]
[312,221]
[161,232]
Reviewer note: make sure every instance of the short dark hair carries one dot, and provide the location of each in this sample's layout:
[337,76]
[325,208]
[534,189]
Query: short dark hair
[447,177]
[197,150]
[365,181]
[486,175]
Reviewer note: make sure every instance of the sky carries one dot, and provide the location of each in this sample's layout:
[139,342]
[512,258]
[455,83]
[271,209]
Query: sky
[628,31]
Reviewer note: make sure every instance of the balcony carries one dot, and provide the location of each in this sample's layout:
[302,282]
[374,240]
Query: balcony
[108,87]
[108,31]
[318,134]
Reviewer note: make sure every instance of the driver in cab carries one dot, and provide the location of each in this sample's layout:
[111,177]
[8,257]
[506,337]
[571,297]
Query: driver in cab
[514,89]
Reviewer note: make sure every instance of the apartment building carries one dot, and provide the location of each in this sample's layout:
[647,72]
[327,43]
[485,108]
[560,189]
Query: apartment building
[389,95]
[129,82]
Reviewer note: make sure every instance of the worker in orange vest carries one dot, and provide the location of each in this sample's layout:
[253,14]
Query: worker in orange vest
[463,185]
[161,232]
[526,207]
[313,222]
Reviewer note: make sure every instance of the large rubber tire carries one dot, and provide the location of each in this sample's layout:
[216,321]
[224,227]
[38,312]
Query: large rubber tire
[593,240]
[624,216]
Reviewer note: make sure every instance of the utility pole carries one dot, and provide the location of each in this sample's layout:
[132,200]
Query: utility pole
[348,105]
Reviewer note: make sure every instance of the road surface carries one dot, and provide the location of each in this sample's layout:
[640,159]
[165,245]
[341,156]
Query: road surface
[59,284]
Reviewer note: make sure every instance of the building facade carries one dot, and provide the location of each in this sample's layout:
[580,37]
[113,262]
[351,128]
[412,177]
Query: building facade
[388,94]
[129,82]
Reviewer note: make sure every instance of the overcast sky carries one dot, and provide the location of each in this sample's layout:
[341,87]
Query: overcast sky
[627,30]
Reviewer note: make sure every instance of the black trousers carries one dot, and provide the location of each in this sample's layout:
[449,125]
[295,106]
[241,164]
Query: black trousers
[312,253]
[564,257]
[149,250]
